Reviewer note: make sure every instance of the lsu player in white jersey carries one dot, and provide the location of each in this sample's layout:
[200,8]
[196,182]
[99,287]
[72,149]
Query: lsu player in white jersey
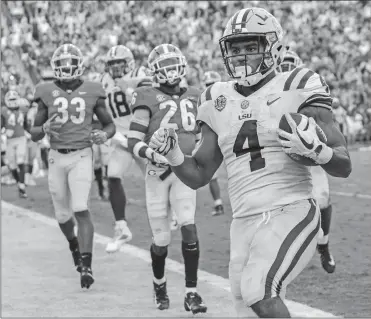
[321,188]
[210,77]
[119,81]
[276,221]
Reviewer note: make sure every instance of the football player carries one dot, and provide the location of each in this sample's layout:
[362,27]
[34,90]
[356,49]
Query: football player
[168,106]
[276,222]
[32,147]
[119,82]
[14,120]
[65,112]
[210,77]
[321,189]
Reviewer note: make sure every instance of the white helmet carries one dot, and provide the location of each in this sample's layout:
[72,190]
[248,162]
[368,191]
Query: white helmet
[257,23]
[12,100]
[119,61]
[290,61]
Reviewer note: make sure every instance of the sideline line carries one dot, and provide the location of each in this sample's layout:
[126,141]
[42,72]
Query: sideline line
[297,309]
[357,195]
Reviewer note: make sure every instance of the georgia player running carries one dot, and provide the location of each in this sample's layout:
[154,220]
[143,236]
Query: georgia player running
[276,222]
[119,82]
[14,120]
[171,106]
[65,112]
[321,188]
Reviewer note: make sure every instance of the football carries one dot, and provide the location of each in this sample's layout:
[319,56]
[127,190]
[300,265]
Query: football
[302,122]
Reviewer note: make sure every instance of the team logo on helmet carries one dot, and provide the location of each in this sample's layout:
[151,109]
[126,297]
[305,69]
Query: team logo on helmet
[220,103]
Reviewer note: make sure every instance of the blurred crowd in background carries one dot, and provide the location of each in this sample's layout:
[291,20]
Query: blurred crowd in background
[331,37]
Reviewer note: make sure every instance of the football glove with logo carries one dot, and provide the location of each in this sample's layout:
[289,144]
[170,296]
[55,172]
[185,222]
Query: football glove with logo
[305,142]
[165,142]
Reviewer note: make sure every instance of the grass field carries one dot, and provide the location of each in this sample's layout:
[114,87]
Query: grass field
[344,293]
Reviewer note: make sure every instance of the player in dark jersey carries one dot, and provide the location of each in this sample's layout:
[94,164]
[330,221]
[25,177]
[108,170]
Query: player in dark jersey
[170,106]
[65,113]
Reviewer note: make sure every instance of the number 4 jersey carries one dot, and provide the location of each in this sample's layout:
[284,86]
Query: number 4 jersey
[171,111]
[261,177]
[75,111]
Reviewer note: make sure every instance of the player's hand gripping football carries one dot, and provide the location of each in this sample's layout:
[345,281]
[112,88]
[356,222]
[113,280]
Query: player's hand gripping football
[165,142]
[51,127]
[303,142]
[98,136]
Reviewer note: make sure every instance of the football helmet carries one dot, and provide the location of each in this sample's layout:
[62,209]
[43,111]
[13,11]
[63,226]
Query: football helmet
[167,64]
[290,61]
[67,62]
[210,77]
[119,61]
[246,25]
[12,100]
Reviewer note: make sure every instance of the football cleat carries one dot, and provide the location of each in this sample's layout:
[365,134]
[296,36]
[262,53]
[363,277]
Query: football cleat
[22,192]
[193,302]
[122,236]
[327,261]
[77,259]
[161,298]
[86,277]
[218,210]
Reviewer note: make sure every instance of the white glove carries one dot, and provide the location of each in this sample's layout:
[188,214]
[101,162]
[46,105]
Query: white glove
[305,143]
[165,142]
[159,160]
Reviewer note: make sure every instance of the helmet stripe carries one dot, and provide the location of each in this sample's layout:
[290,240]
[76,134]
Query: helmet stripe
[233,23]
[166,49]
[65,49]
[113,52]
[244,18]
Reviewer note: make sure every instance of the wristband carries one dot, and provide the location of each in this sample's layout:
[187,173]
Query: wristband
[175,157]
[325,155]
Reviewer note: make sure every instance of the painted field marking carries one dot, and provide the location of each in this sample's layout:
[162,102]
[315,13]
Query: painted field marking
[296,308]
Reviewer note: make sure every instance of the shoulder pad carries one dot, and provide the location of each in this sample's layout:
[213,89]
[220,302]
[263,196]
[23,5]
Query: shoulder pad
[303,78]
[41,89]
[193,90]
[142,96]
[96,88]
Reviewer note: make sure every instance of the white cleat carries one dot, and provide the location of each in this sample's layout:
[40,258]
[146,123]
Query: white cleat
[121,237]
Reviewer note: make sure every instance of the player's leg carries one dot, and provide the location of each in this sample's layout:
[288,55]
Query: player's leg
[183,201]
[215,193]
[80,178]
[98,172]
[60,194]
[157,202]
[21,154]
[321,193]
[283,244]
[119,162]
[11,159]
[31,155]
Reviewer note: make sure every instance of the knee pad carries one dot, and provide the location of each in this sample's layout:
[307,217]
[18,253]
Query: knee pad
[162,238]
[159,250]
[82,214]
[62,216]
[189,233]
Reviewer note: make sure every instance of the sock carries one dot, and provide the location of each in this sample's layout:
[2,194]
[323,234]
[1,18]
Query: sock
[30,168]
[22,172]
[86,259]
[191,255]
[15,175]
[325,223]
[117,198]
[158,264]
[159,281]
[218,202]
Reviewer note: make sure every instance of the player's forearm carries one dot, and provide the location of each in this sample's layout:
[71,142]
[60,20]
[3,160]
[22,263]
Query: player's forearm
[190,173]
[139,148]
[110,129]
[37,133]
[340,164]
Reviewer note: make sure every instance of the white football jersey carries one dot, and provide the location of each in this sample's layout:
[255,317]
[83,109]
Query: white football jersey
[119,96]
[261,177]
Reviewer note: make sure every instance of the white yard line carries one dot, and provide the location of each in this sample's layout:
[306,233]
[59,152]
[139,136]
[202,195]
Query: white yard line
[296,308]
[346,194]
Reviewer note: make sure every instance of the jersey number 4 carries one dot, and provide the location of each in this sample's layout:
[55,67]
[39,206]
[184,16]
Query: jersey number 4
[249,132]
[118,105]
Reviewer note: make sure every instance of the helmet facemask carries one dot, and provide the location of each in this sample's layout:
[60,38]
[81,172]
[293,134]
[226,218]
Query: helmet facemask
[67,67]
[169,69]
[119,67]
[12,100]
[249,68]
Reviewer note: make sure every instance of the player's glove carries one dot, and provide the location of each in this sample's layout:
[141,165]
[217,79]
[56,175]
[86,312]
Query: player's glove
[51,127]
[305,143]
[98,137]
[159,160]
[165,142]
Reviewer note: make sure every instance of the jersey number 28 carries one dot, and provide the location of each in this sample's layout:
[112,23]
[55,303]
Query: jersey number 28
[249,132]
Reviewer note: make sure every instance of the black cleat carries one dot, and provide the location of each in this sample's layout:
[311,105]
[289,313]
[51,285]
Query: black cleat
[218,210]
[86,277]
[327,261]
[22,193]
[77,259]
[193,302]
[162,301]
